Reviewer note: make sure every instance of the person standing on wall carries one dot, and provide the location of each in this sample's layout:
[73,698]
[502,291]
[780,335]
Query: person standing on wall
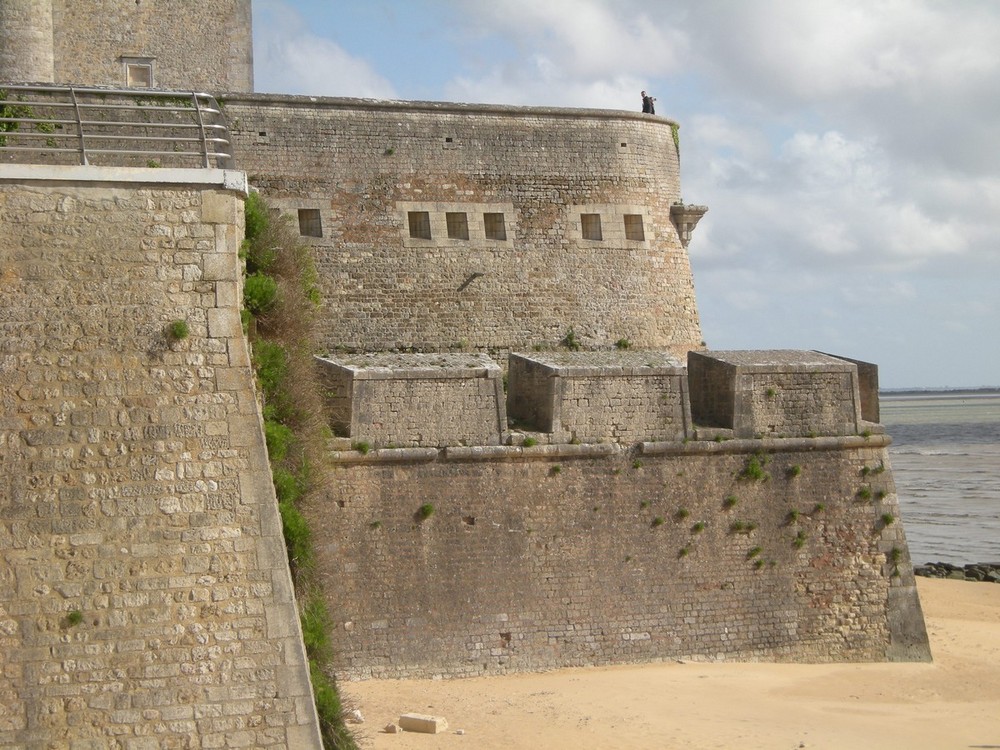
[647,104]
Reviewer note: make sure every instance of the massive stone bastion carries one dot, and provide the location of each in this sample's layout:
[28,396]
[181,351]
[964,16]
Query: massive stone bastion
[145,599]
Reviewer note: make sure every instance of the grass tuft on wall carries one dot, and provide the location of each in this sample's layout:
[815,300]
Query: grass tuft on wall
[280,312]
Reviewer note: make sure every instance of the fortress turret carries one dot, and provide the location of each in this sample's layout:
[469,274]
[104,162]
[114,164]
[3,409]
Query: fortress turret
[180,44]
[26,51]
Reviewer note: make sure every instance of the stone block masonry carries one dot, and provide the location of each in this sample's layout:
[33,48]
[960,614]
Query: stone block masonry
[145,599]
[416,399]
[574,555]
[779,393]
[592,397]
[514,268]
[166,44]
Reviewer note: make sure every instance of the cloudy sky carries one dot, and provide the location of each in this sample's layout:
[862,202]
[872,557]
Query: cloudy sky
[848,150]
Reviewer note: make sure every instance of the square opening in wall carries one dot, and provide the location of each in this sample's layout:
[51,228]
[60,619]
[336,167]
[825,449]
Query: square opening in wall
[420,224]
[458,225]
[494,226]
[633,227]
[310,223]
[138,72]
[590,225]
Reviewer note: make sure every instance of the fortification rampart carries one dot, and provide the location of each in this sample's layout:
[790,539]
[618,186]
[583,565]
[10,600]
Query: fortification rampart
[469,561]
[607,527]
[145,599]
[491,228]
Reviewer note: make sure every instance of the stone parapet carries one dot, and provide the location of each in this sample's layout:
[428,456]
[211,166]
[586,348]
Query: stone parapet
[416,399]
[592,397]
[780,393]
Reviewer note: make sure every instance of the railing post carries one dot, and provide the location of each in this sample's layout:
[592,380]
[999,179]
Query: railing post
[79,127]
[201,128]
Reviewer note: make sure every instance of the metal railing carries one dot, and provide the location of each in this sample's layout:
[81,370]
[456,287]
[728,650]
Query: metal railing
[112,127]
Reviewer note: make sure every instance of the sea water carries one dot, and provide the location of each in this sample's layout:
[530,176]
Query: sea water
[945,457]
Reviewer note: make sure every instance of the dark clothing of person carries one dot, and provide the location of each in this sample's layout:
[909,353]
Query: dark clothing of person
[647,105]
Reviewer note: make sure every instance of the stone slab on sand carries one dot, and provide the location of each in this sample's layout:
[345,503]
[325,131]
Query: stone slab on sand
[423,723]
[953,702]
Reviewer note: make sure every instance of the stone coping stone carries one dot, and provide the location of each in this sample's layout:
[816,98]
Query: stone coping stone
[393,366]
[226,179]
[769,359]
[774,445]
[605,363]
[389,106]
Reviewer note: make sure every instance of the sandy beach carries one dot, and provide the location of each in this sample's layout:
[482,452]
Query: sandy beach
[953,702]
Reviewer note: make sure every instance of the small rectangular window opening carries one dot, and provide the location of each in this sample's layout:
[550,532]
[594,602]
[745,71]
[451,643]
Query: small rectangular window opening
[420,224]
[494,226]
[633,227]
[139,75]
[591,226]
[458,225]
[310,223]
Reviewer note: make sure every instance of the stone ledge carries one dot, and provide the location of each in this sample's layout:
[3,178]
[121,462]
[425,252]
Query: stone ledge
[591,450]
[227,179]
[765,444]
[395,105]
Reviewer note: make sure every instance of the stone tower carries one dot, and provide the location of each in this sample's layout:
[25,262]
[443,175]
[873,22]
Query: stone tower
[26,52]
[163,44]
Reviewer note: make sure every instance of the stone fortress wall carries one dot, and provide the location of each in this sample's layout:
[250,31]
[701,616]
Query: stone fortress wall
[740,507]
[145,598]
[355,173]
[181,44]
[615,542]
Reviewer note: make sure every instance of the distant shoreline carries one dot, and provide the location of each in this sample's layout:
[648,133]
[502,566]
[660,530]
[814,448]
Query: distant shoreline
[990,390]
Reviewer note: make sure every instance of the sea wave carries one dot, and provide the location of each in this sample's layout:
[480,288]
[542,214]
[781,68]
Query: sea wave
[914,451]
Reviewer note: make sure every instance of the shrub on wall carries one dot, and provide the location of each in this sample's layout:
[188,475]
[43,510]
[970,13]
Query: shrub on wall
[280,294]
[260,292]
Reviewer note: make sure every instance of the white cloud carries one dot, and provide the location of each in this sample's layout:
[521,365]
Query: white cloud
[847,149]
[291,59]
[590,38]
[533,84]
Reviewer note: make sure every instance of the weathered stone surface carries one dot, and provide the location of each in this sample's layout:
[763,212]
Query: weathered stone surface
[136,506]
[592,397]
[364,166]
[535,560]
[781,393]
[207,47]
[416,399]
[424,723]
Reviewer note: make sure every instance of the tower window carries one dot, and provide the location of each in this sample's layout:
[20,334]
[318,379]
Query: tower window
[420,224]
[633,227]
[494,226]
[590,224]
[310,222]
[138,72]
[458,225]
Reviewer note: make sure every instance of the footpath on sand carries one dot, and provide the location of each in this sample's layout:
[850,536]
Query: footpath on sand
[953,702]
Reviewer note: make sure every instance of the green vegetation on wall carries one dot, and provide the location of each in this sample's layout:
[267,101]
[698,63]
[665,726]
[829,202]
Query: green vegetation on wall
[280,309]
